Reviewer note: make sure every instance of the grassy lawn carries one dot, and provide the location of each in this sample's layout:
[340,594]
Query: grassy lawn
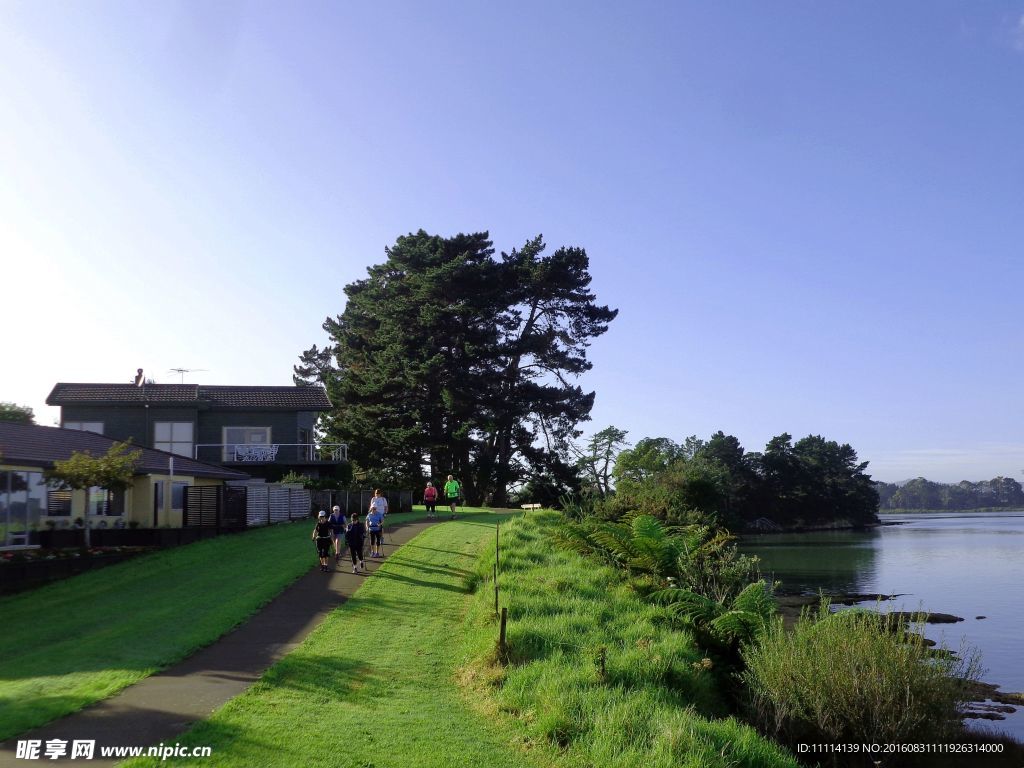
[75,642]
[402,675]
[656,702]
[374,684]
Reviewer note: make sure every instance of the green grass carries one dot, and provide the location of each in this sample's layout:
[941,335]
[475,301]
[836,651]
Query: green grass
[854,676]
[374,684]
[656,704]
[81,640]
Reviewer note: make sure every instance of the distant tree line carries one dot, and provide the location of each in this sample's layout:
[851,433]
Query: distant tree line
[925,494]
[811,482]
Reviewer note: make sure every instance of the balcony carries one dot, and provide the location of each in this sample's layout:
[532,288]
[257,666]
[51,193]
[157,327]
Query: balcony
[271,453]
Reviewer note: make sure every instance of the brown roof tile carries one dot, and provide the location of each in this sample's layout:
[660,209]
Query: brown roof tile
[261,398]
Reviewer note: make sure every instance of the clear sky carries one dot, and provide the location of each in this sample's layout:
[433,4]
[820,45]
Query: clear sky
[809,214]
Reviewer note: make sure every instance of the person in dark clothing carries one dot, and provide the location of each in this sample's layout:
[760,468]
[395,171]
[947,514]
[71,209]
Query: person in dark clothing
[355,536]
[322,537]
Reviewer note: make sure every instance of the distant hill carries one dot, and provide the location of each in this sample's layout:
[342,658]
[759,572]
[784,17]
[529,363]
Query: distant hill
[920,493]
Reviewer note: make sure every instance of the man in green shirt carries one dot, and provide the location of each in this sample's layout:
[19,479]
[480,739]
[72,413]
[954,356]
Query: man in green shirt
[452,491]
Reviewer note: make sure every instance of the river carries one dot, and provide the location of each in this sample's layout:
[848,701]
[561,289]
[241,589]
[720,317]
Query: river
[967,564]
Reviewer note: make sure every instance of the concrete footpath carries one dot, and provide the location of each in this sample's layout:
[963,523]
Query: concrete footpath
[159,708]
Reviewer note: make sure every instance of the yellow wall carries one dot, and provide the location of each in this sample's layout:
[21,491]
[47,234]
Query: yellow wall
[138,501]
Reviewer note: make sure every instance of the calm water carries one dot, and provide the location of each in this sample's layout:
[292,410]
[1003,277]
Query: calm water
[966,564]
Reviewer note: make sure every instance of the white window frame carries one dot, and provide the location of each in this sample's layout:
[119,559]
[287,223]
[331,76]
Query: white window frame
[174,445]
[229,446]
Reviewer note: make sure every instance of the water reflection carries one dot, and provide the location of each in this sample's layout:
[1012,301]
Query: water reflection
[967,564]
[834,561]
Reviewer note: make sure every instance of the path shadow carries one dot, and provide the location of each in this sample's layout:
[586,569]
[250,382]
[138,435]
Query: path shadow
[420,582]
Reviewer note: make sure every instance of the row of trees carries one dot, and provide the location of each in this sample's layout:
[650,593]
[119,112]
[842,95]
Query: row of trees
[925,494]
[449,360]
[813,481]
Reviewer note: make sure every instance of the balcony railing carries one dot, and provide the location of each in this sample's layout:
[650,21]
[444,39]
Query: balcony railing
[271,453]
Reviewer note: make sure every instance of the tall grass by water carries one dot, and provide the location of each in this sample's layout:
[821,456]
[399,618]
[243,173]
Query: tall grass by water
[593,673]
[857,677]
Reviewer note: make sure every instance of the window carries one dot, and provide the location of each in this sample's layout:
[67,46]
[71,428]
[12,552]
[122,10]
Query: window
[22,501]
[238,439]
[178,495]
[173,436]
[103,502]
[85,426]
[58,503]
[96,501]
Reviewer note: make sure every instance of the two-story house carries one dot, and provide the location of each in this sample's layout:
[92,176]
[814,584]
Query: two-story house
[265,432]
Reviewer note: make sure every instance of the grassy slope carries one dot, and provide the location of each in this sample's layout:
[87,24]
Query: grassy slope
[70,644]
[373,685]
[652,708]
[377,684]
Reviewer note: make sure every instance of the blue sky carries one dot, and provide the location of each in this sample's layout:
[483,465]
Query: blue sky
[809,214]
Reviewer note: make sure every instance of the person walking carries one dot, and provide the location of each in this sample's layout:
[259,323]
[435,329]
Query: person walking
[322,538]
[430,500]
[338,523]
[355,537]
[375,522]
[452,492]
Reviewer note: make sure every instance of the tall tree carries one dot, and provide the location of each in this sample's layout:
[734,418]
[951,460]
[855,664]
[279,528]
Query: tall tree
[448,359]
[596,460]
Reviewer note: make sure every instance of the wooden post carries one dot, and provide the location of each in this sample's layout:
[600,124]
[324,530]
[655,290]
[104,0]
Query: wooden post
[502,647]
[495,589]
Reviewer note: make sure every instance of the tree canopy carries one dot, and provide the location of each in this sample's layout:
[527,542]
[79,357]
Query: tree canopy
[113,470]
[448,360]
[811,482]
[19,414]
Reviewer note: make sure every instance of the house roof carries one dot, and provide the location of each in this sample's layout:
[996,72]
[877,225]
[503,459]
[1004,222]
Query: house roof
[38,446]
[312,398]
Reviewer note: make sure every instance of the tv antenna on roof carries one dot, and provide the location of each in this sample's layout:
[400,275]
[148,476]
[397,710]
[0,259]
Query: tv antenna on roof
[183,371]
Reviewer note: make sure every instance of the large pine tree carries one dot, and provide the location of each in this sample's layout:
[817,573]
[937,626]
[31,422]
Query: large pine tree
[448,360]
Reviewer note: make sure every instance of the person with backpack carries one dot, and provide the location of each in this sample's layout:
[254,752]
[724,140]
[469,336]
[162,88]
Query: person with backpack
[355,537]
[375,522]
[338,523]
[322,538]
[430,500]
[452,492]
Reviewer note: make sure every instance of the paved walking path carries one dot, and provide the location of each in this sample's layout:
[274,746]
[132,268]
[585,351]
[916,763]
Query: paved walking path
[162,706]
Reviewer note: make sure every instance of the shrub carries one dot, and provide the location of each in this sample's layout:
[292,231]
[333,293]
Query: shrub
[853,676]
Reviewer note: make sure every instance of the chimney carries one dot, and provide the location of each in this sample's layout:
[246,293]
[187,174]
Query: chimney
[139,381]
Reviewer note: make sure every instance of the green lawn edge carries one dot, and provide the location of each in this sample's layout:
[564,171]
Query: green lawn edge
[374,684]
[75,642]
